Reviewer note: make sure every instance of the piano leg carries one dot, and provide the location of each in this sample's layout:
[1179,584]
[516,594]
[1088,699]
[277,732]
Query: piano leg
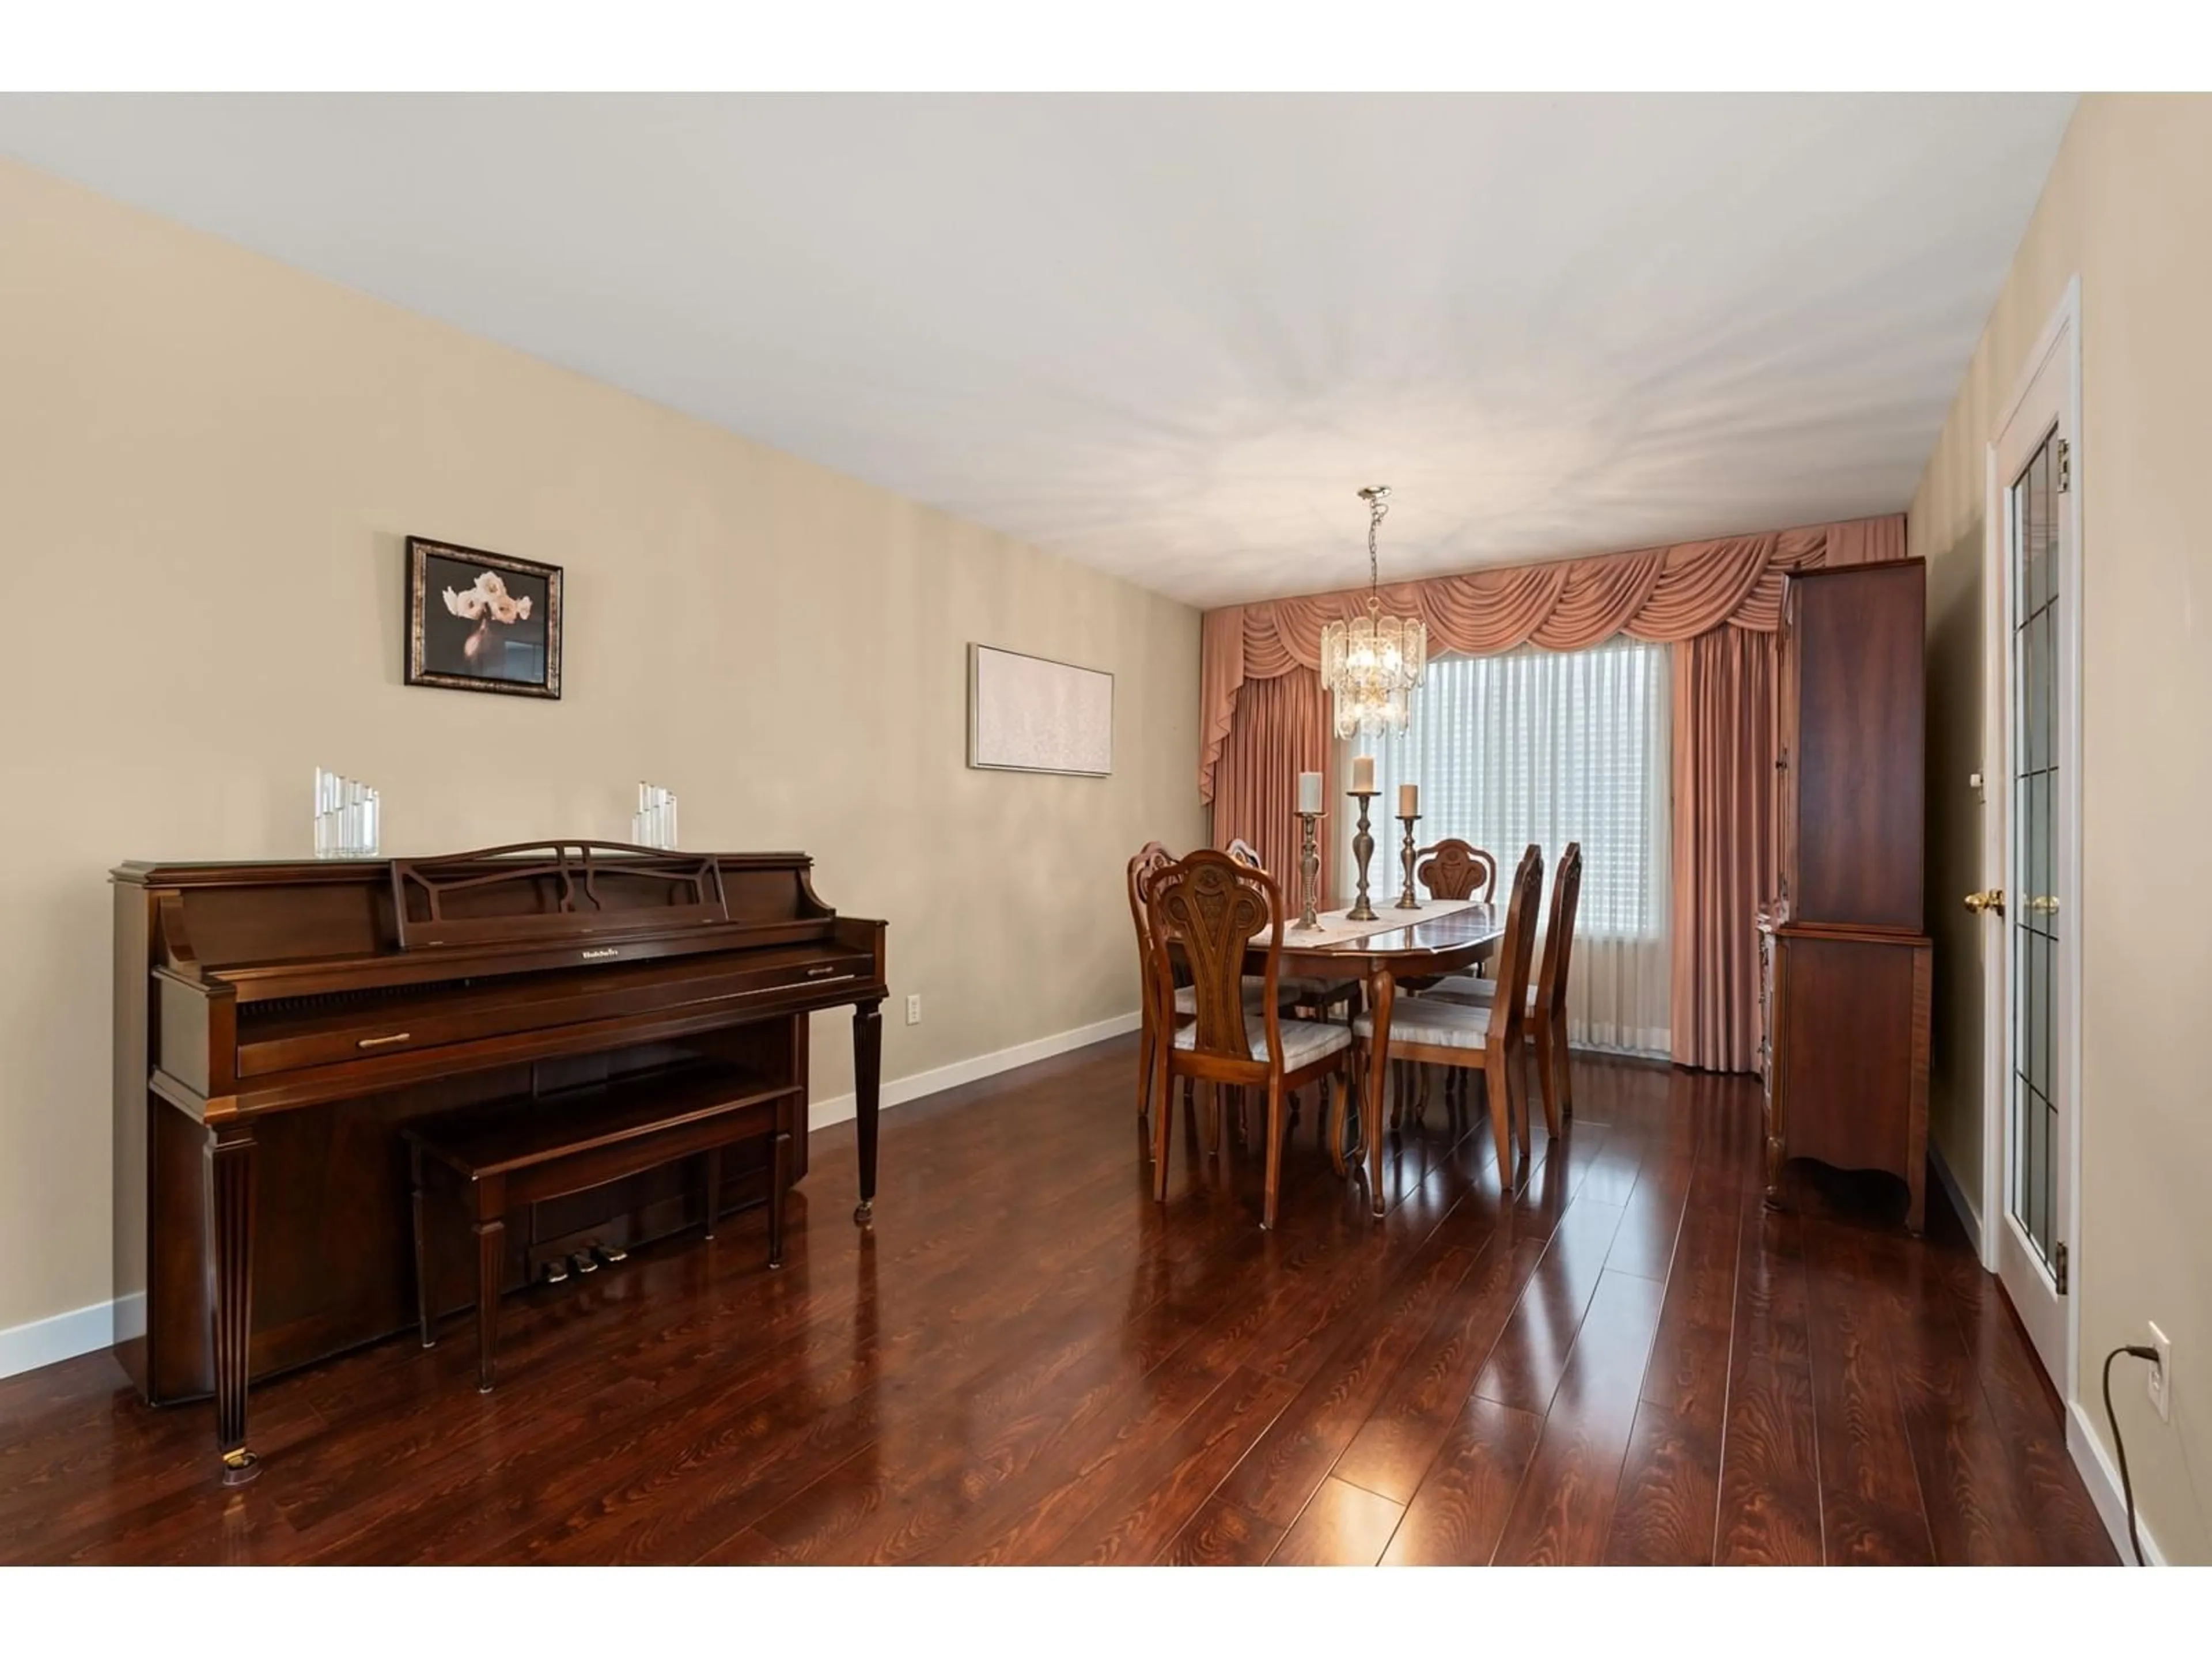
[490,1227]
[867,1083]
[230,1176]
[779,1184]
[423,1326]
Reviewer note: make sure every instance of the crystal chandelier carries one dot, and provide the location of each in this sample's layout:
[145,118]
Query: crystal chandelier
[1374,663]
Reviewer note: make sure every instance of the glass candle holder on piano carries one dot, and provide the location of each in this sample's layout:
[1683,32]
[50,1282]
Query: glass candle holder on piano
[653,824]
[349,817]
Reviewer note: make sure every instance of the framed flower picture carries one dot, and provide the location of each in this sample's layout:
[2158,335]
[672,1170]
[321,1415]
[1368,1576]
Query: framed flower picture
[482,622]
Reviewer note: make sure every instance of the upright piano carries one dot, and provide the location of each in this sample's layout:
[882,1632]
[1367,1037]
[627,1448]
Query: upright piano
[277,1023]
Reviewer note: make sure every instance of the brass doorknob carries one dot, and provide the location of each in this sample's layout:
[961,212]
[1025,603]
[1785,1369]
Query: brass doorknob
[1990,899]
[2043,905]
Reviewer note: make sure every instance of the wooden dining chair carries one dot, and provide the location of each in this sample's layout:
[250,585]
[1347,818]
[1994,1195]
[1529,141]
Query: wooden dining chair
[1153,856]
[1547,996]
[1150,857]
[1480,1036]
[1308,993]
[1452,869]
[1214,910]
[1455,869]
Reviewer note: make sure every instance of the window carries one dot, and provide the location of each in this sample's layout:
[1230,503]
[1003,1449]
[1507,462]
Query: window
[1550,747]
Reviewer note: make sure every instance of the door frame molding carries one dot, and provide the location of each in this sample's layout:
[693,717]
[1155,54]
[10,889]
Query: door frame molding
[2062,332]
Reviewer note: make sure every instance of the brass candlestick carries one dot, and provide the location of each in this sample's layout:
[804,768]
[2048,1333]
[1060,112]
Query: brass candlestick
[1408,900]
[1363,849]
[1310,867]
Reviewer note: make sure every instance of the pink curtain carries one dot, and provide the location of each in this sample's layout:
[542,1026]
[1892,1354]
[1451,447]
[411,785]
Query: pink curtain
[1724,754]
[1666,595]
[1220,678]
[1278,728]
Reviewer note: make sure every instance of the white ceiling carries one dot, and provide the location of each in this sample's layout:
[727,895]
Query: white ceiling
[1170,336]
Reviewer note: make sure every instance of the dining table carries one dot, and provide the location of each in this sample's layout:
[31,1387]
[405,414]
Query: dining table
[1432,940]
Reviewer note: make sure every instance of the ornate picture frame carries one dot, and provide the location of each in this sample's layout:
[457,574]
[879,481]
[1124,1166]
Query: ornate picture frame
[481,622]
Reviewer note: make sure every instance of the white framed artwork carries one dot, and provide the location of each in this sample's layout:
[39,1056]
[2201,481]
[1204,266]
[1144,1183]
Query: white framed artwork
[1031,714]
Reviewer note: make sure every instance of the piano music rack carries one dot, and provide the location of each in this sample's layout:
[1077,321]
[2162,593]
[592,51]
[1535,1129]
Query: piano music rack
[543,890]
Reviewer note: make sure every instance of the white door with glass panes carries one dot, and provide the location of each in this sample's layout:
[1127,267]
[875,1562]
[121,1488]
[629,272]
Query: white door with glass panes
[2031,917]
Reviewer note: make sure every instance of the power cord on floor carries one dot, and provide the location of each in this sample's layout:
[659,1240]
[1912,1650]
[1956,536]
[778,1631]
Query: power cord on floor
[2119,1446]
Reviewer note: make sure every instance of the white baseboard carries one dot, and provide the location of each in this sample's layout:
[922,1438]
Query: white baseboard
[1969,1216]
[838,1109]
[2102,1477]
[64,1336]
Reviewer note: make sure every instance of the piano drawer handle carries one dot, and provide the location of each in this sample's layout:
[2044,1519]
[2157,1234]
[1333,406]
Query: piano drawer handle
[384,1042]
[817,972]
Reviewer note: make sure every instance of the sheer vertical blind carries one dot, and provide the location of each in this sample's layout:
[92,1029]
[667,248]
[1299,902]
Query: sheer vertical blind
[1550,747]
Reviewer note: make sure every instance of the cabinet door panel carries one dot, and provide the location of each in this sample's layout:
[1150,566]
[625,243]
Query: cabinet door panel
[1847,1053]
[1854,761]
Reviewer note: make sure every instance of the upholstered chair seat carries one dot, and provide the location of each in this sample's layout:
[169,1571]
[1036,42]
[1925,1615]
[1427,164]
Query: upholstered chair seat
[1304,1040]
[1465,988]
[1432,1025]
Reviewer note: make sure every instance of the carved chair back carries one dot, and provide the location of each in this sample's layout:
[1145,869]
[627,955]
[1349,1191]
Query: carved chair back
[1454,869]
[1210,906]
[1559,929]
[1150,858]
[1509,1009]
[1246,855]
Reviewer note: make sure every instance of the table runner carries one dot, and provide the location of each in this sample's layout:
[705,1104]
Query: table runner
[1335,929]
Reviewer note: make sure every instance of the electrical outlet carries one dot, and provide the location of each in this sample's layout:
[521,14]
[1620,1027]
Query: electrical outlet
[914,1008]
[2162,1374]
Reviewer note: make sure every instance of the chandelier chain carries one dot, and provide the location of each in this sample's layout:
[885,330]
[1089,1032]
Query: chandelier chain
[1378,503]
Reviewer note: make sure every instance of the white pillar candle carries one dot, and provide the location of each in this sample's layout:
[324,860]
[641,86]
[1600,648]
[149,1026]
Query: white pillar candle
[1308,792]
[1362,775]
[1409,801]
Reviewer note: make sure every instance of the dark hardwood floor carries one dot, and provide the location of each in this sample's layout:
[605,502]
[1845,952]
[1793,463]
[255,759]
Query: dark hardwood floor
[1627,1361]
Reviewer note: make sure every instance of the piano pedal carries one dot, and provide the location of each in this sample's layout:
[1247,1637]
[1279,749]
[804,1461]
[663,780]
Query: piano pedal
[557,1272]
[609,1254]
[584,1262]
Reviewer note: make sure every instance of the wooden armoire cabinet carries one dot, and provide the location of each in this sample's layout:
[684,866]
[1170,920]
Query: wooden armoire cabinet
[1845,963]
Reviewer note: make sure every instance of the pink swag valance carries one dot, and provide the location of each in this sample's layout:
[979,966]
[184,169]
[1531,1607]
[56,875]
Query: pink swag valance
[1664,594]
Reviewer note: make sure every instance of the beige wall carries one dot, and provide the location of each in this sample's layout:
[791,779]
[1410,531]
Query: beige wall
[2129,208]
[207,464]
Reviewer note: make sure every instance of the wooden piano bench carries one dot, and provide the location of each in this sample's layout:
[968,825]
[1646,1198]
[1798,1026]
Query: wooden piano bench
[525,1149]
